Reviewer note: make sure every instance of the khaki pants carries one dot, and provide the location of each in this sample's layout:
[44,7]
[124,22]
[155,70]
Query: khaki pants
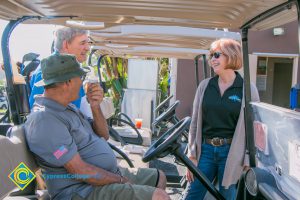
[143,185]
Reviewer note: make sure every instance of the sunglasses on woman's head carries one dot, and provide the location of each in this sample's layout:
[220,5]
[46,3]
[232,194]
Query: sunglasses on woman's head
[215,55]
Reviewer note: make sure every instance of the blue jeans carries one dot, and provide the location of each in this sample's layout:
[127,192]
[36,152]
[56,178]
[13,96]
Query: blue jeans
[212,164]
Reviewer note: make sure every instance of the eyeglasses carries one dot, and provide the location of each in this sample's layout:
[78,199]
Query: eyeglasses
[82,77]
[215,55]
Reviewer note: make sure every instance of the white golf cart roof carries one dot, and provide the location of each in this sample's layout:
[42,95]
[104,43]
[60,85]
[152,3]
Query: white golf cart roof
[193,13]
[156,41]
[160,28]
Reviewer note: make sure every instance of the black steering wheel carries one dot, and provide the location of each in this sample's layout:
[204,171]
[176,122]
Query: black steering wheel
[168,144]
[164,145]
[167,115]
[163,104]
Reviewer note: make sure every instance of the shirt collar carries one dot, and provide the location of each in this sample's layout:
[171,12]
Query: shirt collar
[238,81]
[41,101]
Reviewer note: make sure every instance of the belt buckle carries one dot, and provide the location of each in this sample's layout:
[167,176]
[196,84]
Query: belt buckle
[216,142]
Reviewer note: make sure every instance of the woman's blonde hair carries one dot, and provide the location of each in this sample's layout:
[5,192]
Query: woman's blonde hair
[231,49]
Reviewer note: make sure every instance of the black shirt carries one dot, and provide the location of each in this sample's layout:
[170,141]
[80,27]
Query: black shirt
[220,114]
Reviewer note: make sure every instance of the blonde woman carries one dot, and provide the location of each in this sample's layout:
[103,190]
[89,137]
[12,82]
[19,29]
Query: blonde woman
[217,132]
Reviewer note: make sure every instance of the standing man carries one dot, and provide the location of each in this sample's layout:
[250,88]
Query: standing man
[67,41]
[74,150]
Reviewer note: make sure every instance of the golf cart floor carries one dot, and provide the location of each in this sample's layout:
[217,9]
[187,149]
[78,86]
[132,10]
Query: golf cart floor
[175,193]
[168,166]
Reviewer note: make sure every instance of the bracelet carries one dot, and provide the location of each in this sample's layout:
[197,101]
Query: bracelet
[121,179]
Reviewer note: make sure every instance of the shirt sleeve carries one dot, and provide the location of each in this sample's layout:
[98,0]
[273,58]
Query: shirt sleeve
[50,139]
[192,146]
[34,89]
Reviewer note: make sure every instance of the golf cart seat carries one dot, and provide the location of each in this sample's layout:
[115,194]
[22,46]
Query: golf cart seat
[13,152]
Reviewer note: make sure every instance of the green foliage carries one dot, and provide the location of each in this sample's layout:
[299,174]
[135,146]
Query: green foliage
[114,72]
[164,77]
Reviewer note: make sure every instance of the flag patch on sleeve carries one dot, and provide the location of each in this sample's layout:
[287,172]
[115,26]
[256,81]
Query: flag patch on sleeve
[60,152]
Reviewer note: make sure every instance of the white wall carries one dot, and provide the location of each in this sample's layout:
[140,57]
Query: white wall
[173,74]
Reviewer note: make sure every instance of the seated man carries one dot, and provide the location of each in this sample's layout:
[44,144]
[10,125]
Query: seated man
[75,158]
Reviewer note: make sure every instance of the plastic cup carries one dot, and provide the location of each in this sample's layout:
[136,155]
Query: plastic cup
[88,82]
[138,123]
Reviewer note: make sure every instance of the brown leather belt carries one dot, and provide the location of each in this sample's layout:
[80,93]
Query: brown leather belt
[217,141]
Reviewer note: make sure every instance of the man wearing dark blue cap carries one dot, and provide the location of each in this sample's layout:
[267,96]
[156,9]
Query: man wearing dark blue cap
[69,147]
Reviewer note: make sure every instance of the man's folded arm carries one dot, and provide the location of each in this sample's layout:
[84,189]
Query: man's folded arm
[90,173]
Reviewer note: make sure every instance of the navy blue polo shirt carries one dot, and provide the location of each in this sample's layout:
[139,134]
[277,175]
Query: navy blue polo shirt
[220,113]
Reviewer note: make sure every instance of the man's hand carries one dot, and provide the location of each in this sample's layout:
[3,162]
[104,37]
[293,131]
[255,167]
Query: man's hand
[77,166]
[94,94]
[246,168]
[189,174]
[124,180]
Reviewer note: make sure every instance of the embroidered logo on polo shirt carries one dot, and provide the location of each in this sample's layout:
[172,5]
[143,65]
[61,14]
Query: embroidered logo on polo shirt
[234,98]
[60,152]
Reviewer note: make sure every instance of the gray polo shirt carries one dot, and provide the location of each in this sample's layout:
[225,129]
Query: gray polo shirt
[55,134]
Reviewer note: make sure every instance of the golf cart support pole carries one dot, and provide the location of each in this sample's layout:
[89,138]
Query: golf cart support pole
[204,64]
[248,109]
[90,57]
[196,70]
[15,106]
[298,16]
[269,13]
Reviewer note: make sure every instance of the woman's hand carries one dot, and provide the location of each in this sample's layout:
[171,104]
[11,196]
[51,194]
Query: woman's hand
[189,174]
